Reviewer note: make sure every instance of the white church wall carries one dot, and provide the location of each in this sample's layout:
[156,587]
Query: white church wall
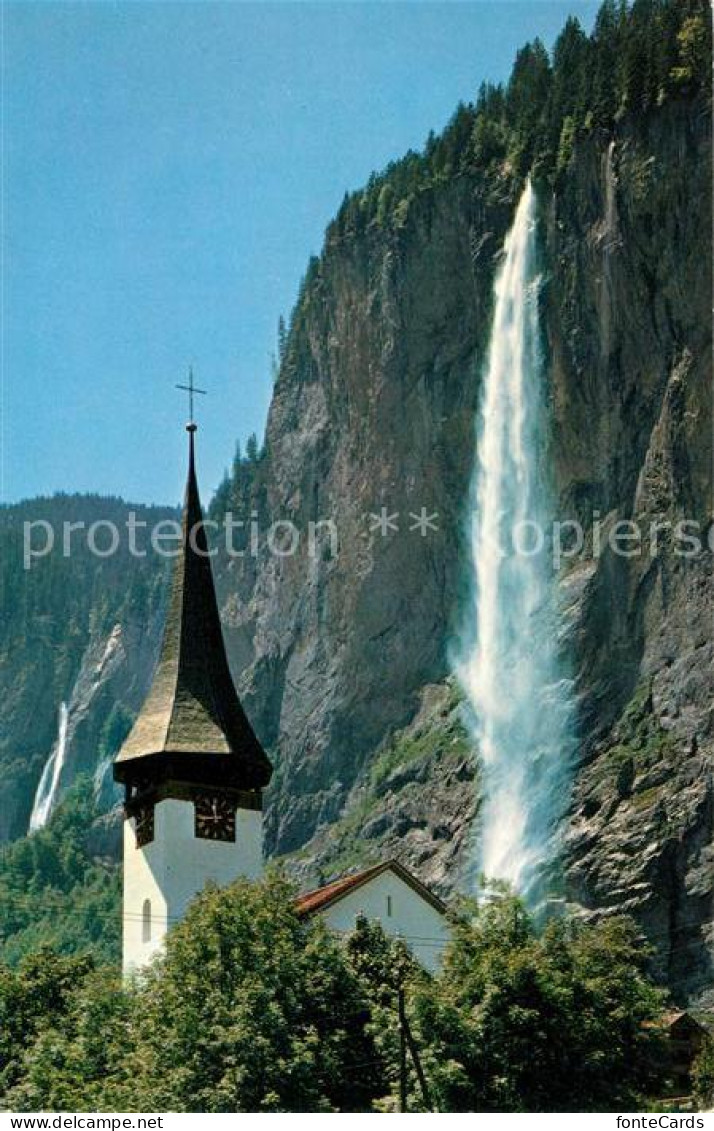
[174,867]
[400,910]
[142,870]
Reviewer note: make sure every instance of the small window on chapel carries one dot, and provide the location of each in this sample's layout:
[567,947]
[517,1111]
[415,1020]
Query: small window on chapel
[389,906]
[146,921]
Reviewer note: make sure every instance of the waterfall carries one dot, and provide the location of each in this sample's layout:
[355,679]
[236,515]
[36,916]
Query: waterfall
[46,794]
[509,664]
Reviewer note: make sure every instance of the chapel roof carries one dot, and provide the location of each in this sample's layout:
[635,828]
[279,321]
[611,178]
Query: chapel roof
[324,897]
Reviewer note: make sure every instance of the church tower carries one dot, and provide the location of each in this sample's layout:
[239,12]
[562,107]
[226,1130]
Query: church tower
[192,768]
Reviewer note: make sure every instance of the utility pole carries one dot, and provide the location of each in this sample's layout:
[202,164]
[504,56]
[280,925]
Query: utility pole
[407,1042]
[402,1051]
[417,1063]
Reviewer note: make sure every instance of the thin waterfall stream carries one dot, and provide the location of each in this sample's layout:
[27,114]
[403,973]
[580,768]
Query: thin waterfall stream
[48,786]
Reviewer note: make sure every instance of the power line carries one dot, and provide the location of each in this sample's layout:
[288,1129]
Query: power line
[58,902]
[422,940]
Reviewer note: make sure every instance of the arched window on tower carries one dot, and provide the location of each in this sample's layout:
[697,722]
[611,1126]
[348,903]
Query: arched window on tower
[146,921]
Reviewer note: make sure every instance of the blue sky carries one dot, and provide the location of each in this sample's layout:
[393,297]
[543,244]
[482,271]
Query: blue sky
[168,169]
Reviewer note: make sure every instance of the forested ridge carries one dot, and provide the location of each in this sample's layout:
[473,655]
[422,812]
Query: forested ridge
[638,58]
[54,891]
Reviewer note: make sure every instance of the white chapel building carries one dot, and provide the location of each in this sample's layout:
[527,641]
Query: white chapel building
[194,774]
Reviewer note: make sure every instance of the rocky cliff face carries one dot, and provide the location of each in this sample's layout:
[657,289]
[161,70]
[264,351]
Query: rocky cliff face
[345,653]
[630,329]
[372,417]
[79,630]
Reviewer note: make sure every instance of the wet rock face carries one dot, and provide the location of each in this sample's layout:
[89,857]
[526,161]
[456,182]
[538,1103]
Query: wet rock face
[373,415]
[630,332]
[374,408]
[77,629]
[114,666]
[415,800]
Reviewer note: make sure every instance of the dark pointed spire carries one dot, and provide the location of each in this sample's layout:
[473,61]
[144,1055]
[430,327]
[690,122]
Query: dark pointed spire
[192,726]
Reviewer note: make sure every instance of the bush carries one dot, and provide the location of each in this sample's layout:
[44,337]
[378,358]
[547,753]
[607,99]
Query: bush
[703,1077]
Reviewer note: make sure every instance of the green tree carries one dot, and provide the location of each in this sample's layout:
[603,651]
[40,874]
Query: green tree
[526,100]
[606,83]
[254,1009]
[221,502]
[641,50]
[382,964]
[521,1021]
[237,461]
[83,1057]
[693,66]
[566,143]
[568,95]
[32,998]
[251,1009]
[703,1077]
[251,448]
[282,338]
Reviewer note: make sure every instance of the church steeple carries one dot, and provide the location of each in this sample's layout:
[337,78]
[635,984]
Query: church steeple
[192,727]
[194,770]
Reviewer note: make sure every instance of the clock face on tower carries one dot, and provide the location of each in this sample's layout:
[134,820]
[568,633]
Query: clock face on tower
[215,818]
[144,825]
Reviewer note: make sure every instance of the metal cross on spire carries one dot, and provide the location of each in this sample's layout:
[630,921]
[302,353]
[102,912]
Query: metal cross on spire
[191,389]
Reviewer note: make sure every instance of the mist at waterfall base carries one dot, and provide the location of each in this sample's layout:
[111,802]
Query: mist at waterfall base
[509,662]
[48,786]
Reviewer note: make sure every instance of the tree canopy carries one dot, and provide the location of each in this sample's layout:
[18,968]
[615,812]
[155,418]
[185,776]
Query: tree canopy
[255,1008]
